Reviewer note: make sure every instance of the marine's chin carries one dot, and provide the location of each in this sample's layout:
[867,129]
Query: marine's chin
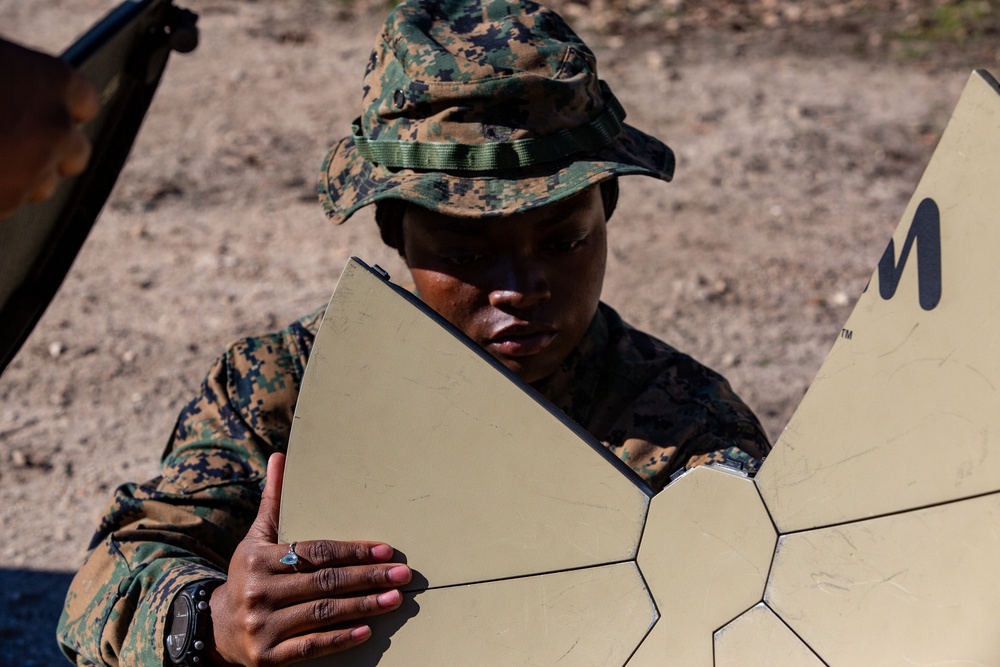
[529,369]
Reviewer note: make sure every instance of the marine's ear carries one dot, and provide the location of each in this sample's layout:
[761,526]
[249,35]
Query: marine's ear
[389,218]
[609,196]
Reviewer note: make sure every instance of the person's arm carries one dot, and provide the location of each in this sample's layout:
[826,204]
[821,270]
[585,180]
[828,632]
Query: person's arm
[661,411]
[44,102]
[161,535]
[204,519]
[688,416]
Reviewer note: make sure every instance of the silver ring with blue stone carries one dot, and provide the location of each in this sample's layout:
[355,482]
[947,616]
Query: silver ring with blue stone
[291,558]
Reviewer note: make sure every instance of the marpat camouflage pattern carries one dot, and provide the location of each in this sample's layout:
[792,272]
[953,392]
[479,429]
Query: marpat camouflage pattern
[482,109]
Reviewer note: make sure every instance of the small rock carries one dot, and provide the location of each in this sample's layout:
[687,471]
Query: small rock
[655,61]
[19,459]
[711,290]
[61,398]
[55,349]
[615,42]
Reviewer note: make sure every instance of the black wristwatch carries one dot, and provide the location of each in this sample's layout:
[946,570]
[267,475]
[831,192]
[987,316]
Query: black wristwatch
[189,624]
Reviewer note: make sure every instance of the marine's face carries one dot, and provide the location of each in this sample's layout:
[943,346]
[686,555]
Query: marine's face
[525,287]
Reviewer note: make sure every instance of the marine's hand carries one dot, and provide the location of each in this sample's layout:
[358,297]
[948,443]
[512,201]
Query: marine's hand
[42,103]
[268,614]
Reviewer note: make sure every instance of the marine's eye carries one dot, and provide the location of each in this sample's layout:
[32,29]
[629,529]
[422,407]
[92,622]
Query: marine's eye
[464,259]
[567,245]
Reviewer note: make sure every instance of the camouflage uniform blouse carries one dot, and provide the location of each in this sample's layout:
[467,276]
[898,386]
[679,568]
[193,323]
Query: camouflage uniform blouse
[658,409]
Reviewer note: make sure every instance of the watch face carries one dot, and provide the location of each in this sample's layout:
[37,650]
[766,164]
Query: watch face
[181,622]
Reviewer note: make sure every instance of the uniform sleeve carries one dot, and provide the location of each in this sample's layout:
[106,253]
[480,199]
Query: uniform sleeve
[184,525]
[688,416]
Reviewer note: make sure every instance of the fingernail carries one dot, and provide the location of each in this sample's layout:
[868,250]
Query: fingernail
[399,574]
[388,599]
[382,552]
[360,634]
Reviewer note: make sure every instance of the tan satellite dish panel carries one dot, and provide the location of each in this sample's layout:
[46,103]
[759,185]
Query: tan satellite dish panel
[904,411]
[882,494]
[705,555]
[405,432]
[917,588]
[758,638]
[540,620]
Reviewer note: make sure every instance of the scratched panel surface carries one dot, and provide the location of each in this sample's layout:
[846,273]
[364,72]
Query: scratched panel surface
[705,555]
[758,638]
[903,412]
[404,433]
[918,588]
[592,617]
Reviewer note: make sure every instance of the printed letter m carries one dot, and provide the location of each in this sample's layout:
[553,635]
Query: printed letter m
[925,231]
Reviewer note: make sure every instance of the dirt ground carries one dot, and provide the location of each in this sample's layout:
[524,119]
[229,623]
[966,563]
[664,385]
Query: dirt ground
[798,146]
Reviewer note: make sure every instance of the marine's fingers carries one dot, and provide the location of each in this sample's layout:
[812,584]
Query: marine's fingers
[265,526]
[317,554]
[77,154]
[319,644]
[45,187]
[325,613]
[302,587]
[82,98]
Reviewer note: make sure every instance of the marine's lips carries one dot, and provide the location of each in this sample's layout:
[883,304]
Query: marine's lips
[520,340]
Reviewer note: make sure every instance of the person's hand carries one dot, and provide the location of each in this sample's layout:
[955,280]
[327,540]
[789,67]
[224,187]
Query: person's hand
[42,104]
[268,614]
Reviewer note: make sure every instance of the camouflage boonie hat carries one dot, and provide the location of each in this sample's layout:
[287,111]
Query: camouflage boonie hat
[482,109]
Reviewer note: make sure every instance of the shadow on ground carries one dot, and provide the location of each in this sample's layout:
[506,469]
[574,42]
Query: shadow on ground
[30,602]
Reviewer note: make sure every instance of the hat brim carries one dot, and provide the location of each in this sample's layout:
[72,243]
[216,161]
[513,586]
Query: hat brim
[348,182]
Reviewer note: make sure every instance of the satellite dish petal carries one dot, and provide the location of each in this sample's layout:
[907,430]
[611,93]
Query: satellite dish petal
[589,617]
[904,411]
[916,588]
[705,554]
[403,434]
[758,638]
